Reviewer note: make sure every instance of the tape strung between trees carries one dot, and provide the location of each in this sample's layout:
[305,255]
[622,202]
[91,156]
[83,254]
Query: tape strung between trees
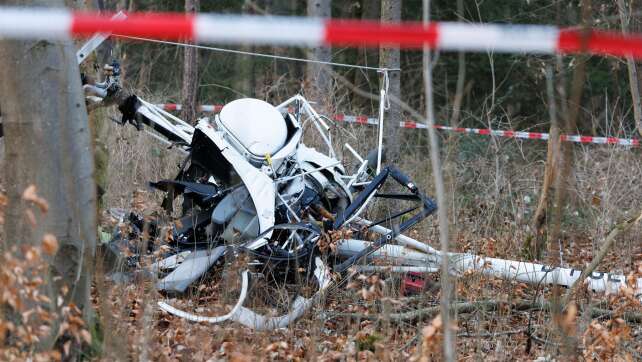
[632,142]
[30,23]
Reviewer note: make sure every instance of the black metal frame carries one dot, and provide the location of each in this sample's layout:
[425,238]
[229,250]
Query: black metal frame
[428,208]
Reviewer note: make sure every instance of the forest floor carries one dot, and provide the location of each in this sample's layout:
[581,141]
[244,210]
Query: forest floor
[367,317]
[357,323]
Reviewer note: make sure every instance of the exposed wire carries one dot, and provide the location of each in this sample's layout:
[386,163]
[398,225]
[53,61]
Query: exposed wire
[386,86]
[272,56]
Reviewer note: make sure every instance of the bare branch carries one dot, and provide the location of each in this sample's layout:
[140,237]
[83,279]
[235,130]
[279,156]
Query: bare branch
[485,305]
[608,244]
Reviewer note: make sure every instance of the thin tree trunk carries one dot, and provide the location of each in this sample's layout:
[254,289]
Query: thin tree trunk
[120,48]
[48,145]
[190,73]
[104,51]
[552,157]
[1,164]
[461,78]
[390,58]
[244,66]
[570,127]
[633,71]
[370,10]
[318,75]
[562,182]
[442,212]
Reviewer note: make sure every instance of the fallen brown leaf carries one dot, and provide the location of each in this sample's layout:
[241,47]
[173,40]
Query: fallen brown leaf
[49,244]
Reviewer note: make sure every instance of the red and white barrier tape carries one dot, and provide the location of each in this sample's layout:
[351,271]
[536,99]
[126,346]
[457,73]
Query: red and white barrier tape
[529,135]
[355,119]
[215,108]
[533,135]
[60,23]
[202,108]
[480,131]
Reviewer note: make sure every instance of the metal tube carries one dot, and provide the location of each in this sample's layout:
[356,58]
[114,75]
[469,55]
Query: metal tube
[380,142]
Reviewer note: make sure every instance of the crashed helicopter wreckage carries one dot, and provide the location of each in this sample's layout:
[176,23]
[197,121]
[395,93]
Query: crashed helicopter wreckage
[259,191]
[254,192]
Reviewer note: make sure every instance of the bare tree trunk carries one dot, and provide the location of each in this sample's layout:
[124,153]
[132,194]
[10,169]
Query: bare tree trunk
[48,145]
[562,181]
[244,66]
[370,10]
[190,73]
[567,154]
[390,58]
[318,75]
[633,71]
[1,164]
[449,352]
[104,51]
[120,48]
[98,117]
[461,77]
[552,158]
[244,77]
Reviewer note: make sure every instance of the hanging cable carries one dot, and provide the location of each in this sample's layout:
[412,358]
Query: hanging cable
[383,107]
[386,86]
[272,56]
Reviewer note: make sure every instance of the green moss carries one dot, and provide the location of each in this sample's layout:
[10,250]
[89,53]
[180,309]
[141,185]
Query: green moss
[368,342]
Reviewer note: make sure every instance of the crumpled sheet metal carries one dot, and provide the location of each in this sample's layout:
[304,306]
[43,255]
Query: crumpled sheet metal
[251,319]
[193,267]
[460,263]
[396,254]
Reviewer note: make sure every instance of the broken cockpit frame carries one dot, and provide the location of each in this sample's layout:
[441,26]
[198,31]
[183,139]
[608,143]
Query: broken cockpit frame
[251,187]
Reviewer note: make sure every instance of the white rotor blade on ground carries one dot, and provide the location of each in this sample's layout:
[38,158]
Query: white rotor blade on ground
[532,273]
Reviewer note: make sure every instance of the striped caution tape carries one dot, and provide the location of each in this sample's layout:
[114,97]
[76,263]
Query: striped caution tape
[530,135]
[480,131]
[35,23]
[215,108]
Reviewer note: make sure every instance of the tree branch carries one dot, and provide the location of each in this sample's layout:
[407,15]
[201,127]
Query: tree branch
[485,305]
[608,244]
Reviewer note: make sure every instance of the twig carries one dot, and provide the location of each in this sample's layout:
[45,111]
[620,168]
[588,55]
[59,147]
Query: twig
[631,317]
[459,308]
[608,244]
[543,341]
[412,341]
[365,94]
[486,305]
[491,335]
